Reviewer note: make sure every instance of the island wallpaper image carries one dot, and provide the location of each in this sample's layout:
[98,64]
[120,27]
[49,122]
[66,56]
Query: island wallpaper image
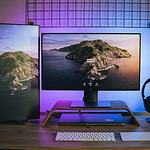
[18,65]
[110,59]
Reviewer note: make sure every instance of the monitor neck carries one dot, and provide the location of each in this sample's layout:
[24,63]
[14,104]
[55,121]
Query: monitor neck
[90,96]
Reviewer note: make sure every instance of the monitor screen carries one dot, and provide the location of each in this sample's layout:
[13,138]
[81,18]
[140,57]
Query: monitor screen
[112,59]
[19,90]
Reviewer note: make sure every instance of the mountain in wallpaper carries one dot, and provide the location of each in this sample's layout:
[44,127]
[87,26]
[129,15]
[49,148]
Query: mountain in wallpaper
[16,68]
[100,51]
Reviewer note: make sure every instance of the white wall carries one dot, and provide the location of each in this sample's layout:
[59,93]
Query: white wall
[12,11]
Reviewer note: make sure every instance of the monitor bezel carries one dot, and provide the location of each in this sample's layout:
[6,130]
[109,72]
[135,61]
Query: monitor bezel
[15,24]
[56,89]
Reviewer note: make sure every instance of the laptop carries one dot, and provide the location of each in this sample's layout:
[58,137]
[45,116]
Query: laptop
[91,119]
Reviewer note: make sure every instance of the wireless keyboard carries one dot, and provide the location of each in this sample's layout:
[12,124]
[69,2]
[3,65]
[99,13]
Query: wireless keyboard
[85,136]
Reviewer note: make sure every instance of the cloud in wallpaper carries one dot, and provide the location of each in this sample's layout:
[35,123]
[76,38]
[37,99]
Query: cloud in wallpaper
[15,38]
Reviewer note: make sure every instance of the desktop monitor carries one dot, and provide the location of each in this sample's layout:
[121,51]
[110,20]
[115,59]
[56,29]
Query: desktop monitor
[91,62]
[19,92]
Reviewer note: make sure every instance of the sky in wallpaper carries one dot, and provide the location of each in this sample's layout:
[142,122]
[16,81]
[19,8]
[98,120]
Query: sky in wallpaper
[19,38]
[125,41]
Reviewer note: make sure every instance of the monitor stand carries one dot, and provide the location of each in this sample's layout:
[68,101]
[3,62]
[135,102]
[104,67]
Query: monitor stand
[90,99]
[118,106]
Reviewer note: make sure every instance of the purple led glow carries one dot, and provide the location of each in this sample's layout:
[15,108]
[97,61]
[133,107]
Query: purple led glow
[14,12]
[132,98]
[71,13]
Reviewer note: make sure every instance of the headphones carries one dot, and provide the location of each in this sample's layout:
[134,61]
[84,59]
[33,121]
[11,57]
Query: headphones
[146,99]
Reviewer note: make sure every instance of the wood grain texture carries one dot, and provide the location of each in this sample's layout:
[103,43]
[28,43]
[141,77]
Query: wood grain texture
[32,136]
[66,106]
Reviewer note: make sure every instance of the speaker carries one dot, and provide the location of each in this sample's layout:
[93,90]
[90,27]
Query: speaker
[146,99]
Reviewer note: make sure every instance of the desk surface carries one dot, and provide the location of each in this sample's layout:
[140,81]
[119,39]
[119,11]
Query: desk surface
[32,136]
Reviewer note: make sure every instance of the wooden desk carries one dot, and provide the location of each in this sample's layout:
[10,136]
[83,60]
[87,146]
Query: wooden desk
[32,136]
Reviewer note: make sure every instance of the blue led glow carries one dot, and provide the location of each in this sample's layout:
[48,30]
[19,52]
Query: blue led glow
[132,98]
